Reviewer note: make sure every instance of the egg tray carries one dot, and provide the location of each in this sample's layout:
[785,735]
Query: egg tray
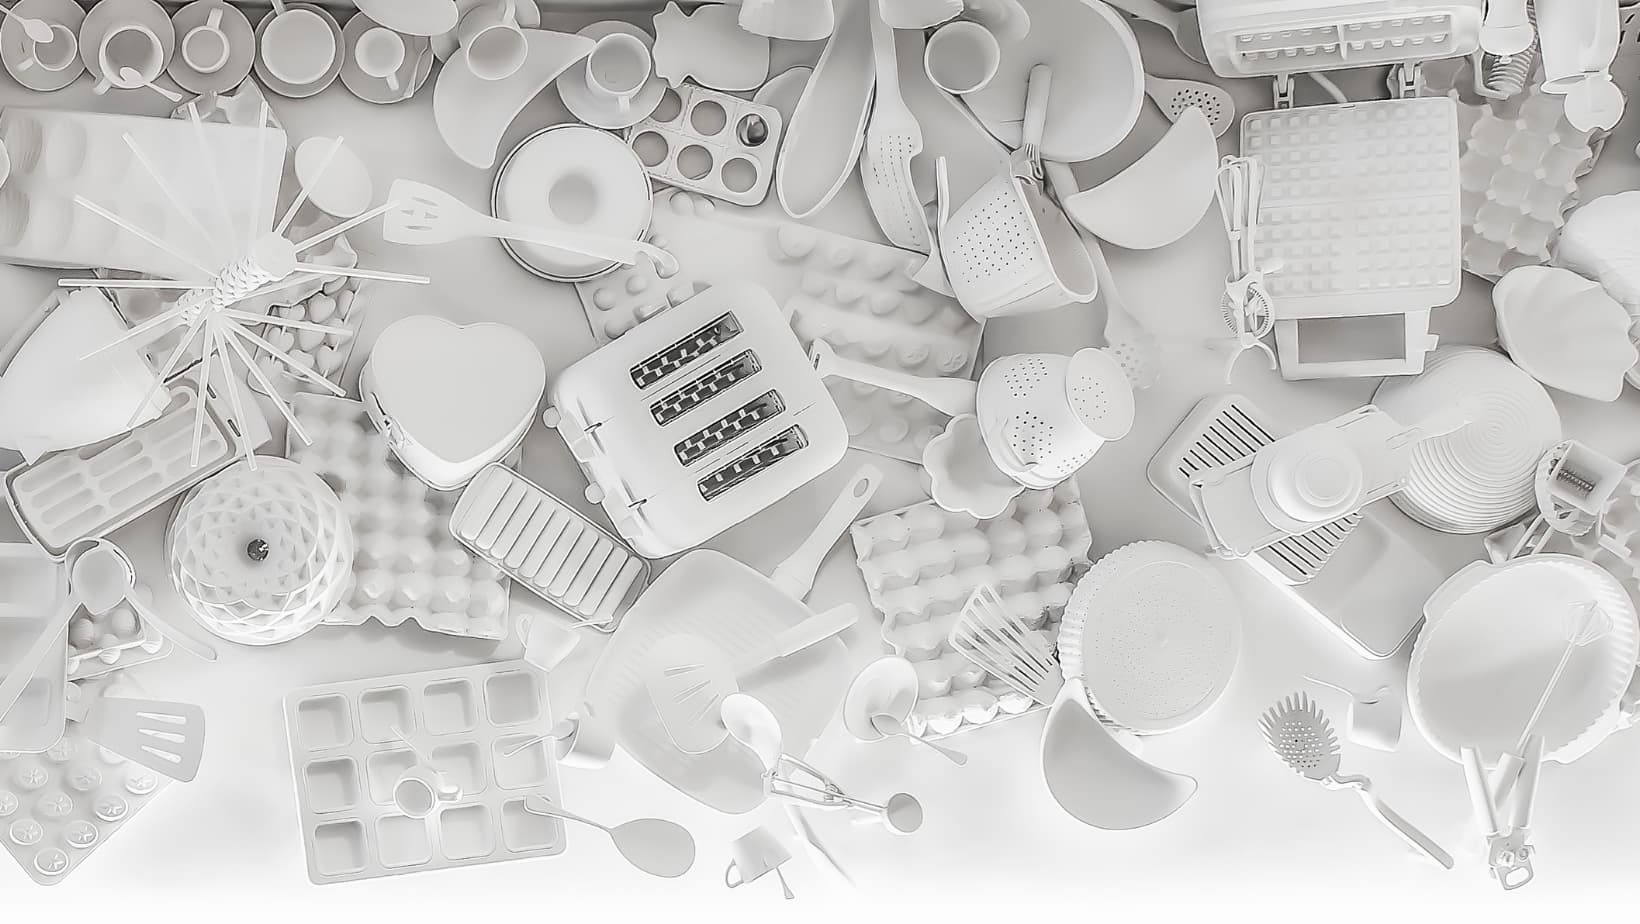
[857,294]
[116,640]
[89,492]
[726,142]
[350,742]
[57,155]
[57,807]
[406,564]
[920,563]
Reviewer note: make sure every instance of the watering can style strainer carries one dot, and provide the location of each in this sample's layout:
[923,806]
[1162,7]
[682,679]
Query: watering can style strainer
[1044,415]
[1010,249]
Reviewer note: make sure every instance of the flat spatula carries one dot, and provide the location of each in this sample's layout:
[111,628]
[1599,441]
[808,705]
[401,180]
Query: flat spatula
[167,738]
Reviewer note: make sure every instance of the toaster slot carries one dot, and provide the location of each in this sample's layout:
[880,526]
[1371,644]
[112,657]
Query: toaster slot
[730,427]
[686,350]
[693,394]
[760,458]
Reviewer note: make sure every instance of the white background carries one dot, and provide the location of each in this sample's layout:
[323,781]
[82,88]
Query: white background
[1254,833]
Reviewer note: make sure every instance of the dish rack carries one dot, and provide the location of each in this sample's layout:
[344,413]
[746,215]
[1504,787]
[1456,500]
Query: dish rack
[697,419]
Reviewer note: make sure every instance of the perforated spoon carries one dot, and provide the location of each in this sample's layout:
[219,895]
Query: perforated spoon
[1176,96]
[654,845]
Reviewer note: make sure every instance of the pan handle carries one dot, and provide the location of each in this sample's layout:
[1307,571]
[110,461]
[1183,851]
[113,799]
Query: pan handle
[795,575]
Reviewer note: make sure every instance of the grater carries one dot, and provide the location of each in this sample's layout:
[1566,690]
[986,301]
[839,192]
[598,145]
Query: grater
[697,419]
[1320,570]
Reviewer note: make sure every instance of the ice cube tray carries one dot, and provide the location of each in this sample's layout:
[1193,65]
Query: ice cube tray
[1360,206]
[116,640]
[88,493]
[857,294]
[710,143]
[1246,38]
[406,564]
[920,563]
[1328,576]
[1520,165]
[59,806]
[347,753]
[56,155]
[548,547]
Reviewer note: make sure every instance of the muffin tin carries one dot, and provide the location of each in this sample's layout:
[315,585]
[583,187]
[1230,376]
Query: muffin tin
[481,727]
[856,294]
[406,564]
[710,143]
[59,806]
[920,563]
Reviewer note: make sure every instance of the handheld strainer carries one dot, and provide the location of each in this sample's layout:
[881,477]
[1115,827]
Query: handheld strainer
[1300,734]
[1044,415]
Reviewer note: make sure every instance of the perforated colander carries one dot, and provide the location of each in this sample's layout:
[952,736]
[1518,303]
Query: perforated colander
[1044,415]
[1010,249]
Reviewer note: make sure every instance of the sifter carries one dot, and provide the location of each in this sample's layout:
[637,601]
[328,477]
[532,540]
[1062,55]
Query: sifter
[1044,415]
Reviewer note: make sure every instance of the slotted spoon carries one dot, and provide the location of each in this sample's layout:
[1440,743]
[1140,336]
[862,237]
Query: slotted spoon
[1173,97]
[893,138]
[429,215]
[1300,734]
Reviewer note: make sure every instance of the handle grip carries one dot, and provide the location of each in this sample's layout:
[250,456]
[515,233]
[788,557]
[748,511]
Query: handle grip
[811,631]
[795,575]
[1417,839]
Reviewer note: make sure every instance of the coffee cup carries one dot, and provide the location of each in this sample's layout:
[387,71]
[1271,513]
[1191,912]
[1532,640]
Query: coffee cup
[132,46]
[380,53]
[962,57]
[496,46]
[617,68]
[754,855]
[205,47]
[55,55]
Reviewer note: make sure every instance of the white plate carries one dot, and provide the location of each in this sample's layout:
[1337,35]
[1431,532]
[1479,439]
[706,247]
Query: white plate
[289,90]
[473,113]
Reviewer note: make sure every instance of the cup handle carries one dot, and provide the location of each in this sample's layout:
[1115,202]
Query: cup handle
[102,85]
[214,20]
[29,62]
[732,877]
[392,81]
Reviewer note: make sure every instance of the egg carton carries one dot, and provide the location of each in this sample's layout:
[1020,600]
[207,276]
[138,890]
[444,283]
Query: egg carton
[710,143]
[88,493]
[920,564]
[58,806]
[116,640]
[340,302]
[548,547]
[350,742]
[406,565]
[57,155]
[857,294]
[1360,206]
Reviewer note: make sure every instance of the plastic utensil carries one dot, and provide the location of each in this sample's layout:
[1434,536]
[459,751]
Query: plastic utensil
[892,727]
[105,569]
[165,737]
[791,20]
[654,845]
[1584,624]
[37,30]
[997,639]
[688,677]
[132,79]
[917,14]
[1095,779]
[893,138]
[1175,97]
[954,396]
[1300,735]
[1160,197]
[824,137]
[1183,25]
[751,724]
[428,215]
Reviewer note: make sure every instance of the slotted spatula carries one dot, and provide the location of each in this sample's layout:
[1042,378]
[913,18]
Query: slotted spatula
[429,215]
[688,677]
[167,738]
[893,138]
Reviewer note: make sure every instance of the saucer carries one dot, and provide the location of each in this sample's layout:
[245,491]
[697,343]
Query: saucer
[289,90]
[528,15]
[572,86]
[241,48]
[572,156]
[109,14]
[412,74]
[66,12]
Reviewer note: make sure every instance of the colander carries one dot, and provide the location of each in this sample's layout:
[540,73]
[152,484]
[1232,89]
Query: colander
[1044,415]
[1010,249]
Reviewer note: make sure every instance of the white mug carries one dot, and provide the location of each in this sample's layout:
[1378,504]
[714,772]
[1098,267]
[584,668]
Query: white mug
[298,47]
[496,46]
[753,855]
[132,45]
[962,57]
[55,55]
[205,47]
[617,69]
[380,53]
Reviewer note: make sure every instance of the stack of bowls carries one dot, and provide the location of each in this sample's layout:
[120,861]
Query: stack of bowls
[1479,477]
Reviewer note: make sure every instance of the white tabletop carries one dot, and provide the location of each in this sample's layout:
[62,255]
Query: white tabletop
[1253,832]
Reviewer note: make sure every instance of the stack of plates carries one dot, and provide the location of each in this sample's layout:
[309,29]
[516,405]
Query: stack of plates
[1479,477]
